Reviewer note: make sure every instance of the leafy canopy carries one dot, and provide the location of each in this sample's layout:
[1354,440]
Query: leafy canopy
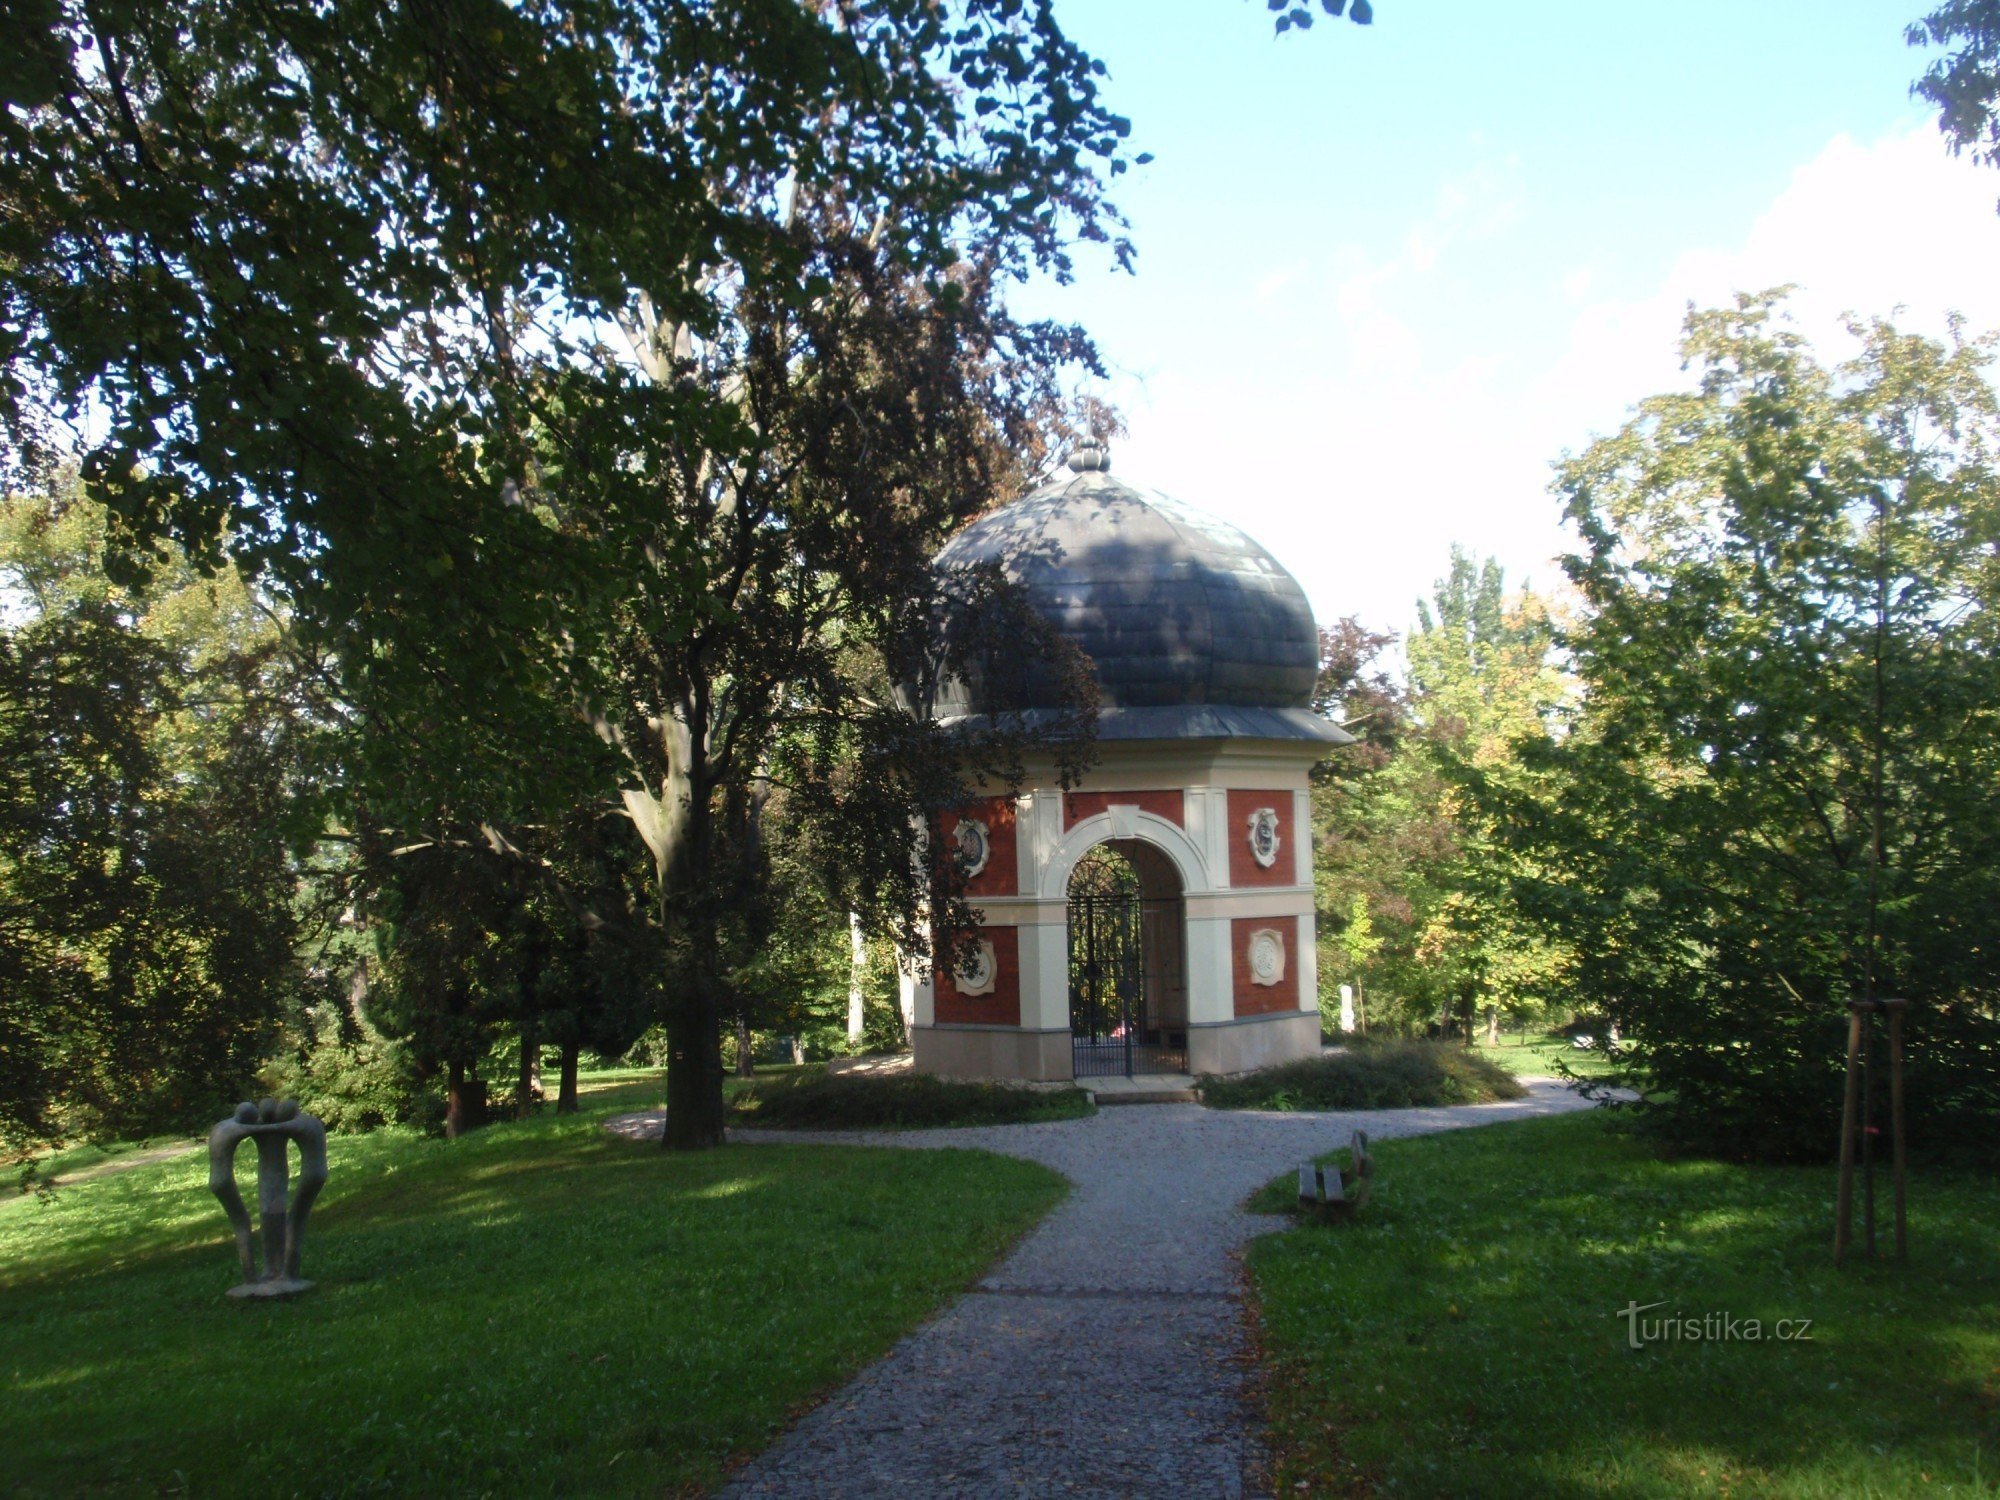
[1792,606]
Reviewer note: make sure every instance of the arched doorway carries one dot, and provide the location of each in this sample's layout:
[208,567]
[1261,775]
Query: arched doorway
[1128,1001]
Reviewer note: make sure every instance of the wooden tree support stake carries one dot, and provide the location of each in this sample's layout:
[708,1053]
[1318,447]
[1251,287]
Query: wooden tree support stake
[1857,1128]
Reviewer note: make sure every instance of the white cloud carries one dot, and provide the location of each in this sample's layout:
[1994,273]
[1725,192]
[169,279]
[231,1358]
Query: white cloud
[1357,432]
[1859,229]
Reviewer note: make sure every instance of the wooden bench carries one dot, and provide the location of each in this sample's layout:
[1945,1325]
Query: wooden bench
[1336,1192]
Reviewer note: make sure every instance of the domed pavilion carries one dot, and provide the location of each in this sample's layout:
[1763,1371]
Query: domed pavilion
[1158,918]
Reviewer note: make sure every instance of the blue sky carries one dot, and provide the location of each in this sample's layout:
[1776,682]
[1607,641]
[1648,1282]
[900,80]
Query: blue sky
[1387,274]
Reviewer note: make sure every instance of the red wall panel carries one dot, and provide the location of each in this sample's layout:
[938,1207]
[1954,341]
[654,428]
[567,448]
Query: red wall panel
[1002,875]
[1002,1007]
[1253,999]
[1243,867]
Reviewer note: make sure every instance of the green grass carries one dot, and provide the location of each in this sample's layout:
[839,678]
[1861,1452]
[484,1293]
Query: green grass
[627,1088]
[907,1101]
[1537,1056]
[1368,1075]
[534,1309]
[1461,1337]
[86,1157]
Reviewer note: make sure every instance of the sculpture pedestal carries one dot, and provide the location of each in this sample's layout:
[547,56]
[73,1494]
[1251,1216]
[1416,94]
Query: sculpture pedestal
[283,1287]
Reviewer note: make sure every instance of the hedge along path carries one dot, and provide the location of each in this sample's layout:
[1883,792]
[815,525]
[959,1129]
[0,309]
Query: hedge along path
[1107,1354]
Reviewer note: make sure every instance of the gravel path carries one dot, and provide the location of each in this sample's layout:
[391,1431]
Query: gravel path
[1106,1355]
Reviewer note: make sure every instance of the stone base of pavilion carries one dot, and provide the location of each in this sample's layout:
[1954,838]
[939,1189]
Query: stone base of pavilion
[1011,1052]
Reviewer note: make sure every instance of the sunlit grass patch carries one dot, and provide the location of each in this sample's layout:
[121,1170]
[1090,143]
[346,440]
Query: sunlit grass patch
[1464,1335]
[536,1307]
[1546,1055]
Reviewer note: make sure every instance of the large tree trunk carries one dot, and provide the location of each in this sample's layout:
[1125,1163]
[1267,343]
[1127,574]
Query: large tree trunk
[694,1070]
[1492,1025]
[677,825]
[566,1090]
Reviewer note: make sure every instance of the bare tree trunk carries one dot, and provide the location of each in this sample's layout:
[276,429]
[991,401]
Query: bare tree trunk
[746,1063]
[857,966]
[1492,1025]
[465,1101]
[357,991]
[524,1082]
[566,1090]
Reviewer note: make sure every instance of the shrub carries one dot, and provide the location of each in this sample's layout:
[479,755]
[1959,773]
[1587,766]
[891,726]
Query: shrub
[1369,1075]
[911,1101]
[352,1077]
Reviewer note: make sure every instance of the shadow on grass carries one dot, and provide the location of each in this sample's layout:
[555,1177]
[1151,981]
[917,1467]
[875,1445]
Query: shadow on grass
[905,1101]
[1465,1337]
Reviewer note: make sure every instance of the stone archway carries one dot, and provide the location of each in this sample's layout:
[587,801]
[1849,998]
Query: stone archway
[1127,947]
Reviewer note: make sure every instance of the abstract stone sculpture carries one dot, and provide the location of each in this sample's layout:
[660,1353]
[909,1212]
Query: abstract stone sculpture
[272,1123]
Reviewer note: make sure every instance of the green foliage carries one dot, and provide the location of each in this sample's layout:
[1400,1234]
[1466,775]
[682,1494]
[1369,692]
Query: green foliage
[1408,907]
[817,1100]
[594,381]
[1369,1075]
[1462,1337]
[151,768]
[327,321]
[1791,629]
[351,1076]
[468,949]
[1964,84]
[685,1306]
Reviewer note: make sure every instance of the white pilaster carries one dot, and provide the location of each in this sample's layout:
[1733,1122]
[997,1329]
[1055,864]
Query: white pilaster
[1217,835]
[1027,842]
[1044,975]
[916,996]
[1308,963]
[1211,985]
[1302,835]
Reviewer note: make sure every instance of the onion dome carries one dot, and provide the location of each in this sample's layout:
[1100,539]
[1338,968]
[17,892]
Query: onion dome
[1195,630]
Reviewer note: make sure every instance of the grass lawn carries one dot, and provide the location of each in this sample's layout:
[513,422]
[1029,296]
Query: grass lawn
[629,1090]
[1535,1056]
[1462,1337]
[534,1309]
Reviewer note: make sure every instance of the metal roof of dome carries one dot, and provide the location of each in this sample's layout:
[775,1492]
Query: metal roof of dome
[1195,630]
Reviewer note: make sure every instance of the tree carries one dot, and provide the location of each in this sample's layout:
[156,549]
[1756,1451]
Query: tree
[1406,879]
[1965,83]
[152,766]
[1777,793]
[591,378]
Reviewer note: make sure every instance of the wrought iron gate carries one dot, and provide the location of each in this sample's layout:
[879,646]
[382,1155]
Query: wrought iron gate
[1127,985]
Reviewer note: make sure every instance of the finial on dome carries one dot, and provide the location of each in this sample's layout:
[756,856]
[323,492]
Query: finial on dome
[1090,456]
